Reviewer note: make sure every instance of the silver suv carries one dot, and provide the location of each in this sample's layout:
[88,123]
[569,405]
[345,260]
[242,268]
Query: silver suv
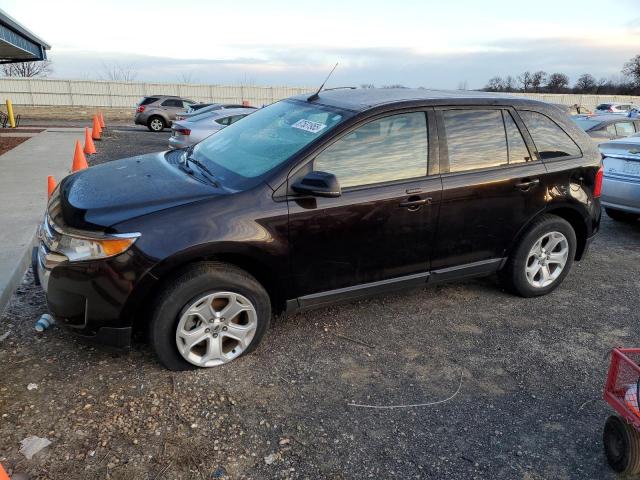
[159,111]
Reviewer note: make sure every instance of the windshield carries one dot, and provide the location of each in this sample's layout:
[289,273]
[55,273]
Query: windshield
[585,124]
[243,152]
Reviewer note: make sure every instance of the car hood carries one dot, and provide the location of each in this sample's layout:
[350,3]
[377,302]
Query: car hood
[102,196]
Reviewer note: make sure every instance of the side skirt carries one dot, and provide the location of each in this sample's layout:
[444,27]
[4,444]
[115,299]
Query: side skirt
[470,270]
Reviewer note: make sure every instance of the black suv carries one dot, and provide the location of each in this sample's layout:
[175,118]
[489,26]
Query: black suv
[313,200]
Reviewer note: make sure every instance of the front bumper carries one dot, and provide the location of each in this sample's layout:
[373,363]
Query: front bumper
[93,299]
[621,194]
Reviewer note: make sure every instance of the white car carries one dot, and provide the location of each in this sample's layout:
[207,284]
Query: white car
[613,107]
[187,132]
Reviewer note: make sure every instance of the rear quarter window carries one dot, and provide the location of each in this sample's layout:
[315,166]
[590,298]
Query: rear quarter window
[550,140]
[148,100]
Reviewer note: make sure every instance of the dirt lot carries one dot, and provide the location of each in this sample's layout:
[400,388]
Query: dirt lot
[530,374]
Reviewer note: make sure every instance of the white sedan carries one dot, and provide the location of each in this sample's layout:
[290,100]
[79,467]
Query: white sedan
[187,132]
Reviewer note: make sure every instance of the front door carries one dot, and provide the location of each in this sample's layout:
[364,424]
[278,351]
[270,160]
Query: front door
[380,230]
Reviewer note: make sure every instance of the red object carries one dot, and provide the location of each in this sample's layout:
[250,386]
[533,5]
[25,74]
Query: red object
[51,185]
[245,103]
[95,129]
[623,376]
[101,120]
[183,131]
[597,188]
[89,147]
[140,108]
[3,473]
[79,160]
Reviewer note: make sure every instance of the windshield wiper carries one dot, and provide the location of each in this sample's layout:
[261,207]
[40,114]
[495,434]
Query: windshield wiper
[189,159]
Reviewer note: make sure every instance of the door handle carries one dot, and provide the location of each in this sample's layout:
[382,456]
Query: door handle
[414,204]
[527,184]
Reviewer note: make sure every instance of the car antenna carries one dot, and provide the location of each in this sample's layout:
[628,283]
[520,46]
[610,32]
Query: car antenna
[315,96]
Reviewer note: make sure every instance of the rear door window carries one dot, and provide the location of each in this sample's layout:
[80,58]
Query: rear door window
[389,149]
[172,102]
[625,128]
[550,140]
[518,151]
[475,139]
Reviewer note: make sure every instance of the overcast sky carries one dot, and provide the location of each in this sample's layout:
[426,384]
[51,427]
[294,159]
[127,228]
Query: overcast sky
[284,42]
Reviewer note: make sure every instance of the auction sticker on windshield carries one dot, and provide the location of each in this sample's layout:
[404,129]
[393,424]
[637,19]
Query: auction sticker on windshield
[309,126]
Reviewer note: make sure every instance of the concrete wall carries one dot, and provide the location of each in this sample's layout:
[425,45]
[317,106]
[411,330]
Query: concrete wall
[94,93]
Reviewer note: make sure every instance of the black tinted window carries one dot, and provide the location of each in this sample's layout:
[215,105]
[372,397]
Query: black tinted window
[391,148]
[475,139]
[172,102]
[551,141]
[148,100]
[518,151]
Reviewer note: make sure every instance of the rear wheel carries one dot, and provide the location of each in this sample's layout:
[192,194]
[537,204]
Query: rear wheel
[621,445]
[620,216]
[211,314]
[542,259]
[156,123]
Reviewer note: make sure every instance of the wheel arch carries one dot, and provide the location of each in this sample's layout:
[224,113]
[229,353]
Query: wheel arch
[567,212]
[257,264]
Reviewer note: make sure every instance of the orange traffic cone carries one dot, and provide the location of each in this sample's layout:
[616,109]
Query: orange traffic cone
[51,185]
[101,119]
[79,160]
[96,130]
[89,147]
[3,473]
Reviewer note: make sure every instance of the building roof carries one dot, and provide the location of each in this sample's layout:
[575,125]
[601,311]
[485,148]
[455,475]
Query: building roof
[17,44]
[364,98]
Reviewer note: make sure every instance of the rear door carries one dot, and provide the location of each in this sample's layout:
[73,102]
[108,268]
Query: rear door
[492,184]
[381,228]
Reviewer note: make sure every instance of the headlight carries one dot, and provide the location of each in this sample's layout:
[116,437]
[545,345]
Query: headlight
[79,245]
[83,248]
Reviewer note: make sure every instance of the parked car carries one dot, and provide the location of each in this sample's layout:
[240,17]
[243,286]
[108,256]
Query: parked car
[187,132]
[314,200]
[158,111]
[189,113]
[607,127]
[621,182]
[613,107]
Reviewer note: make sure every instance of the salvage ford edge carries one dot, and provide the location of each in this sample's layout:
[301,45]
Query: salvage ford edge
[314,200]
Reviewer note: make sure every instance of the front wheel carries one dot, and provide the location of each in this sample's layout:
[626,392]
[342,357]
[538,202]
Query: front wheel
[211,314]
[542,259]
[621,445]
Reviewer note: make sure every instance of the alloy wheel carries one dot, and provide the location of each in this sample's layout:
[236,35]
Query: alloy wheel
[156,125]
[216,328]
[547,259]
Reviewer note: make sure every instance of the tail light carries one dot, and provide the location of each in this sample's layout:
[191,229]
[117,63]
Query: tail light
[140,109]
[610,109]
[597,188]
[183,131]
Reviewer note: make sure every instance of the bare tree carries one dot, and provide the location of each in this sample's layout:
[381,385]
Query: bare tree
[394,85]
[537,79]
[463,85]
[631,69]
[186,77]
[118,72]
[27,69]
[525,80]
[557,82]
[495,84]
[586,83]
[509,83]
[367,85]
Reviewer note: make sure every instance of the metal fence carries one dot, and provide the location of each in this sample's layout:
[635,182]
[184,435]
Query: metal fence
[97,93]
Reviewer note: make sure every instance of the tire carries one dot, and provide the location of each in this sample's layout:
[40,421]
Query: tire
[620,216]
[204,287]
[621,445]
[156,123]
[514,275]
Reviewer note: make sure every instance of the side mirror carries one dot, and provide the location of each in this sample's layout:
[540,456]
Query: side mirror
[318,184]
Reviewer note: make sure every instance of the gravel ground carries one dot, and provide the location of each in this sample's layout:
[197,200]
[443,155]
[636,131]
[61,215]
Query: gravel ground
[528,374]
